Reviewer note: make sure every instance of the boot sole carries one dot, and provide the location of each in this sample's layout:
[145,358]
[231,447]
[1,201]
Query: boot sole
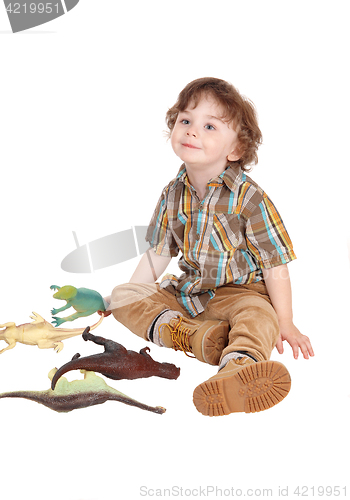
[253,388]
[213,343]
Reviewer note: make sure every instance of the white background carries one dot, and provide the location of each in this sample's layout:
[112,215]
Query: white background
[83,101]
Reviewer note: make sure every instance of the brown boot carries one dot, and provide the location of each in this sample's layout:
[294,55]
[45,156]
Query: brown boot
[243,385]
[204,339]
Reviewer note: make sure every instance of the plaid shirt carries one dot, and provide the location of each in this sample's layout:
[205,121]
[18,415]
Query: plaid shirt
[228,237]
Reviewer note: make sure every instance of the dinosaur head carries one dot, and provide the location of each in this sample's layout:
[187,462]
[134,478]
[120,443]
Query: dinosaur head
[66,293]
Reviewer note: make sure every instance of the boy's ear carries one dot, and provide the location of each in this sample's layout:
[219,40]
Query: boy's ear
[235,155]
[236,152]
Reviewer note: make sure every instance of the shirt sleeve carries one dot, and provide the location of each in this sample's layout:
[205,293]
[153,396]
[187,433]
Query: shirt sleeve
[159,234]
[266,236]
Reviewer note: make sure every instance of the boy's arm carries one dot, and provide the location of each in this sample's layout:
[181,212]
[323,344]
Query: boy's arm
[148,270]
[150,267]
[279,288]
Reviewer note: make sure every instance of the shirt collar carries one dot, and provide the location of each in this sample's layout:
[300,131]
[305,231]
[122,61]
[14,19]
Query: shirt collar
[231,176]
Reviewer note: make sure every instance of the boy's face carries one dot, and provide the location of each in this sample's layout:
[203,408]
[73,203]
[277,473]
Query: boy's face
[203,140]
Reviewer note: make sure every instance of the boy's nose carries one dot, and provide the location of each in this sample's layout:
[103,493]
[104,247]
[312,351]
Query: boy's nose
[191,132]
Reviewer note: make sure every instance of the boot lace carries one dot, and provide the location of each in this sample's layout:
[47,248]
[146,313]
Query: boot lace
[241,361]
[179,336]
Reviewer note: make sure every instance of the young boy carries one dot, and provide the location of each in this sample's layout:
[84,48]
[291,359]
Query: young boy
[232,303]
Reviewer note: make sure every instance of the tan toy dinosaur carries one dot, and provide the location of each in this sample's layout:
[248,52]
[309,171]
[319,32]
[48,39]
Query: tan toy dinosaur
[40,333]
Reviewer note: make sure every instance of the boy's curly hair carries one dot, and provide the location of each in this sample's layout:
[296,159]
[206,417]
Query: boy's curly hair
[237,110]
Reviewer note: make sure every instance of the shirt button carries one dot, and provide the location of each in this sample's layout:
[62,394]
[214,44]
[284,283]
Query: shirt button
[198,236]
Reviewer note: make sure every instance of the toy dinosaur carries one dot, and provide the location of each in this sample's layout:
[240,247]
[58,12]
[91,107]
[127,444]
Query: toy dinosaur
[39,332]
[83,300]
[117,363]
[68,396]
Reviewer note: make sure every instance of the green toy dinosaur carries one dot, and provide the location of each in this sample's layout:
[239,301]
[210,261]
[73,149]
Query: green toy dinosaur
[83,300]
[68,396]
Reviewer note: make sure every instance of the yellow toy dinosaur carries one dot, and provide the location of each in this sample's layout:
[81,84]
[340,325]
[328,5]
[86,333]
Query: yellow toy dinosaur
[39,332]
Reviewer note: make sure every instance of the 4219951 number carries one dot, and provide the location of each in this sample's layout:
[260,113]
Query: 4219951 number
[320,491]
[33,8]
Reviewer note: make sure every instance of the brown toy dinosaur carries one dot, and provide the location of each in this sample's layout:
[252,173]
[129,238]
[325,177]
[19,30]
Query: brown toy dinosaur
[117,363]
[39,332]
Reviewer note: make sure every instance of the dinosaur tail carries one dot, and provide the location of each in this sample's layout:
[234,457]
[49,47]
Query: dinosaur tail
[71,332]
[96,324]
[31,395]
[74,364]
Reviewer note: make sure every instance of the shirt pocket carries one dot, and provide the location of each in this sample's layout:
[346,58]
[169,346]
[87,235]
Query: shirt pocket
[225,235]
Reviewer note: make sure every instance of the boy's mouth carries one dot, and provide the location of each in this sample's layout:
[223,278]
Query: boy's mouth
[190,146]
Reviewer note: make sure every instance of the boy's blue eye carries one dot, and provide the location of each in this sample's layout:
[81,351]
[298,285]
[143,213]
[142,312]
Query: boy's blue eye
[209,127]
[185,122]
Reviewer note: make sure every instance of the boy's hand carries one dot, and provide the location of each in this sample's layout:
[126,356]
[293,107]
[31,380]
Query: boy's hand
[104,313]
[295,339]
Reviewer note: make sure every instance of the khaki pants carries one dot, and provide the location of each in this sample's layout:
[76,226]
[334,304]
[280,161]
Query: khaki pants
[247,308]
